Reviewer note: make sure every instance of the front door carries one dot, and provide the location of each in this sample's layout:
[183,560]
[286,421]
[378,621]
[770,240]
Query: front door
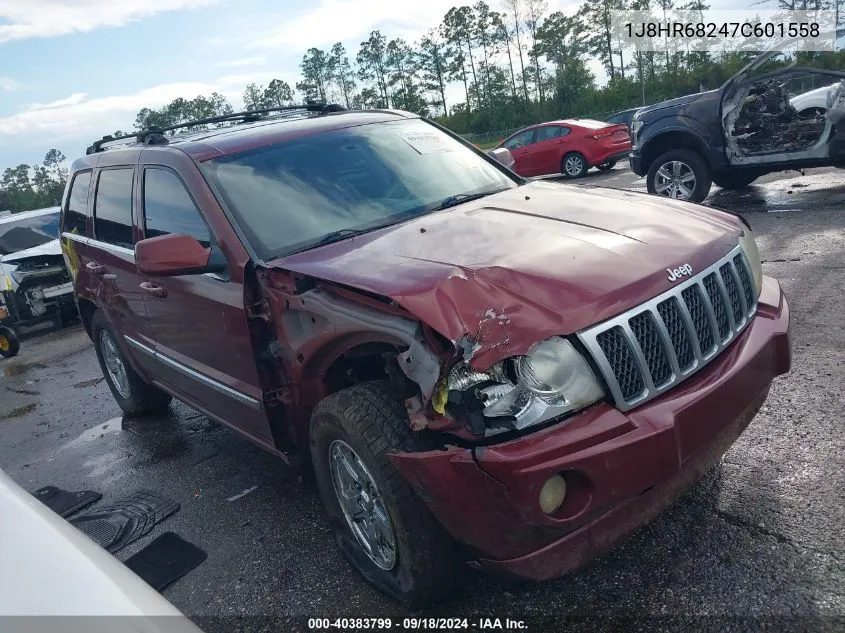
[199,323]
[520,148]
[547,149]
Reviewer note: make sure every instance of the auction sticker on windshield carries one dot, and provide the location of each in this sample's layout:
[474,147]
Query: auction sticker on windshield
[426,142]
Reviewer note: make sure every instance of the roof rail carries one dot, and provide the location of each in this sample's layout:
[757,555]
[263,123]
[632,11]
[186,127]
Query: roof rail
[155,135]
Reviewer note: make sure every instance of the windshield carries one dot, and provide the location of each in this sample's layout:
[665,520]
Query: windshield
[292,195]
[18,235]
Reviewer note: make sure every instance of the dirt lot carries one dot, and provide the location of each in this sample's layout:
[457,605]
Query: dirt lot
[757,545]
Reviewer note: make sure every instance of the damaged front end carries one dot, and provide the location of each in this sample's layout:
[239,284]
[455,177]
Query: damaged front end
[551,380]
[37,287]
[762,125]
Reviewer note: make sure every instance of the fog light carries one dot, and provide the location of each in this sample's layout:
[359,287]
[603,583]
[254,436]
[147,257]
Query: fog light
[552,494]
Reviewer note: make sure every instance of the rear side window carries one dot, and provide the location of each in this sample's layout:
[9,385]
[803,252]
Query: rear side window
[113,207]
[168,208]
[77,204]
[548,133]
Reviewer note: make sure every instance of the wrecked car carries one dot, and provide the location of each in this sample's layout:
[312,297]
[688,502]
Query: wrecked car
[480,369]
[35,285]
[771,116]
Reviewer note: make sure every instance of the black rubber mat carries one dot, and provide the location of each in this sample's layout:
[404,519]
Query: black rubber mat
[165,560]
[63,502]
[116,525]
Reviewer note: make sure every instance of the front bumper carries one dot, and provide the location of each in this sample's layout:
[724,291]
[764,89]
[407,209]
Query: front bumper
[623,469]
[635,162]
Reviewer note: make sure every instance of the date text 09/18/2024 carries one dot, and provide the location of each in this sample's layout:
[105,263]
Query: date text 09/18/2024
[415,624]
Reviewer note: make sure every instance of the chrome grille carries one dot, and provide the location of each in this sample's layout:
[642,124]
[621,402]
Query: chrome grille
[649,349]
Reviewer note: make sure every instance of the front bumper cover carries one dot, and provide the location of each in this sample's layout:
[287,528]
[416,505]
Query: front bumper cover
[632,465]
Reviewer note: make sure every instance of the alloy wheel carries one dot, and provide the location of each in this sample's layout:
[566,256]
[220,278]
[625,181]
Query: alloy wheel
[675,179]
[114,365]
[574,165]
[362,505]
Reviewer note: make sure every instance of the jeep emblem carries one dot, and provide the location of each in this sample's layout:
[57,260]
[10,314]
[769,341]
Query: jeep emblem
[680,271]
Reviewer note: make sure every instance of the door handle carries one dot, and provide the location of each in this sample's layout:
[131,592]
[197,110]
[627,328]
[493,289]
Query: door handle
[94,267]
[153,289]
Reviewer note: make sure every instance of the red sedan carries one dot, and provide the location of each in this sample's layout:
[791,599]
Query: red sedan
[568,147]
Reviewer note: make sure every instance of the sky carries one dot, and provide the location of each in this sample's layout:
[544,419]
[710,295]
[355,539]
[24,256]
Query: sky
[74,70]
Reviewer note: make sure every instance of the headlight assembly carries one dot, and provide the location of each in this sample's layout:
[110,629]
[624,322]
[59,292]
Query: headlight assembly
[749,246]
[552,379]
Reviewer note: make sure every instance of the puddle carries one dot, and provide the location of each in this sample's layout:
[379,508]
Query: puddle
[93,434]
[20,411]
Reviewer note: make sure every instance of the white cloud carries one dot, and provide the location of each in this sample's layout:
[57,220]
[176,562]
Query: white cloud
[342,20]
[22,19]
[79,116]
[7,84]
[333,21]
[75,98]
[258,60]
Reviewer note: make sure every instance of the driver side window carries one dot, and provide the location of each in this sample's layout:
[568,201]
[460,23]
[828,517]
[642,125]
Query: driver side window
[169,208]
[520,140]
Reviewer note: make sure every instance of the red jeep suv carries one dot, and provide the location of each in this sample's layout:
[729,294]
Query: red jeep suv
[480,370]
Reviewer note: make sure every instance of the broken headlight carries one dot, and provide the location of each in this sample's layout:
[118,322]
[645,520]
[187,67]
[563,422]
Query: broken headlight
[749,246]
[552,379]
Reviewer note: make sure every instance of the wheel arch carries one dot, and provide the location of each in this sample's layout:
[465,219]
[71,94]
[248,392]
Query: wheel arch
[672,139]
[86,308]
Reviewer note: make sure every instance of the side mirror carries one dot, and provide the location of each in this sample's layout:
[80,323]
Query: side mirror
[177,254]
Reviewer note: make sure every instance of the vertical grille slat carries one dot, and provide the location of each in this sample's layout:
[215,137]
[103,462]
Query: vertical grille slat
[737,306]
[670,312]
[619,354]
[711,286]
[651,343]
[655,345]
[745,280]
[700,320]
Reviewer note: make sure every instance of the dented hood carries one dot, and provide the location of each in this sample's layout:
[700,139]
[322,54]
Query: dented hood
[517,267]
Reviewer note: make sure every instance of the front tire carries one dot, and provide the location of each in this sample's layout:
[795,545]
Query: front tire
[681,174]
[9,343]
[131,393]
[574,165]
[383,529]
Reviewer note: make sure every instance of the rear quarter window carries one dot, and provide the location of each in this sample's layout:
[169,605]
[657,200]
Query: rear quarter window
[76,211]
[113,207]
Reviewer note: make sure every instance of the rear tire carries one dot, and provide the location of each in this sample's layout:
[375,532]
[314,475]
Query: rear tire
[131,393]
[607,166]
[574,165]
[669,176]
[360,426]
[734,181]
[9,343]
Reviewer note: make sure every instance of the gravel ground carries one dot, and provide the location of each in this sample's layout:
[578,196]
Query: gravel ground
[757,545]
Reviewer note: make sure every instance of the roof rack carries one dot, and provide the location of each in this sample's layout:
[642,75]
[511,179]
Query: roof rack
[155,135]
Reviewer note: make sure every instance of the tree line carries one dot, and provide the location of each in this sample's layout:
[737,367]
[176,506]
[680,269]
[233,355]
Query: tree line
[28,187]
[514,64]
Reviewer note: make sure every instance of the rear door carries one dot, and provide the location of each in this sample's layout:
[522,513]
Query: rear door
[199,322]
[103,262]
[520,148]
